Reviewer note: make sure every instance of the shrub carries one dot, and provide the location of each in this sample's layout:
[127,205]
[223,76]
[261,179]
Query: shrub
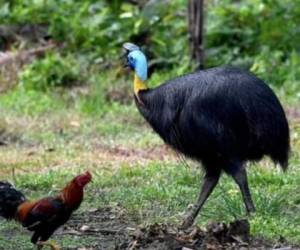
[51,71]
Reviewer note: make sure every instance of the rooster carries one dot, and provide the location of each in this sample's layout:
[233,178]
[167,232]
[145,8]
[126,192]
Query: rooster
[46,215]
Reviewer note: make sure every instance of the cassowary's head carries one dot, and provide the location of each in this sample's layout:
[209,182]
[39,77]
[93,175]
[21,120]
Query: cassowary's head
[136,60]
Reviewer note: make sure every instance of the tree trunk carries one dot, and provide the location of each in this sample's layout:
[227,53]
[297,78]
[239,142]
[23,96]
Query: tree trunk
[195,22]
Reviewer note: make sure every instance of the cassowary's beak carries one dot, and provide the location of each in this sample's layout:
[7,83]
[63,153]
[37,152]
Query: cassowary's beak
[124,58]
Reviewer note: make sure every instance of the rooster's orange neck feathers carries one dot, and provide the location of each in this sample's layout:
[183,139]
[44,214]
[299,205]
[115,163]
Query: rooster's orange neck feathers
[72,195]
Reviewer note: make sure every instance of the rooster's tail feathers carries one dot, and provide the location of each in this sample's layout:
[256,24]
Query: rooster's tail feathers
[10,199]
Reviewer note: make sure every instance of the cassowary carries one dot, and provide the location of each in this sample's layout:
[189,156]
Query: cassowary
[221,117]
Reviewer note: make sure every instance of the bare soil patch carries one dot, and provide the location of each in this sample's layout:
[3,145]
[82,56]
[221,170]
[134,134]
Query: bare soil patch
[113,229]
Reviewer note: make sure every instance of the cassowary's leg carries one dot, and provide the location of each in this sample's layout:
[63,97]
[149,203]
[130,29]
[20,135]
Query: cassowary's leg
[239,174]
[210,181]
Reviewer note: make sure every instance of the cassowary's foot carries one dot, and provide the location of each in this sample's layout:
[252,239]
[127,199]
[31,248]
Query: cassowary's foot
[188,221]
[189,217]
[210,181]
[51,244]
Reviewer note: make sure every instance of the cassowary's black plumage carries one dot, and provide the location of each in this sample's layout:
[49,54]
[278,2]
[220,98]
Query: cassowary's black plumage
[222,117]
[219,116]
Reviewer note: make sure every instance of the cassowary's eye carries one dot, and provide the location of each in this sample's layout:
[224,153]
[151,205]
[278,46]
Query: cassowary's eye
[130,58]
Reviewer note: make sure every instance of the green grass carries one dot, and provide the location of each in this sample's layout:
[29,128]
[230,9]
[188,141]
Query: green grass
[58,136]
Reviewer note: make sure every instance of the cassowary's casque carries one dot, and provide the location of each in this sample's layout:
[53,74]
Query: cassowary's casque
[221,116]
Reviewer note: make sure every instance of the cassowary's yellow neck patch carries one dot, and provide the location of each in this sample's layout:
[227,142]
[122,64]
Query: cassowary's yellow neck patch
[138,84]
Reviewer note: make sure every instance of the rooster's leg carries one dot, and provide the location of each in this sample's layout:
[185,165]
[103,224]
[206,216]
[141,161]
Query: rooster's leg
[51,244]
[210,181]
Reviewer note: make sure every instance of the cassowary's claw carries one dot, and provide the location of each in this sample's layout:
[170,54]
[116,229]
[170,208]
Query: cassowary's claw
[51,244]
[188,221]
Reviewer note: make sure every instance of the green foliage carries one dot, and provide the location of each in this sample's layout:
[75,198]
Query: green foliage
[277,69]
[263,35]
[251,25]
[258,34]
[51,71]
[98,28]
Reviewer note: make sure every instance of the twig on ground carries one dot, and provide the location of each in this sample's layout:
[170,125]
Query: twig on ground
[132,245]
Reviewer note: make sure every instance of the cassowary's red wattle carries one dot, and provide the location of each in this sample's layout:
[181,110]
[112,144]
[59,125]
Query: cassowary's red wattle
[222,117]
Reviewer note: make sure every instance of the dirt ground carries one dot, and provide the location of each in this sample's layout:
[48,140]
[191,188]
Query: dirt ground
[112,229]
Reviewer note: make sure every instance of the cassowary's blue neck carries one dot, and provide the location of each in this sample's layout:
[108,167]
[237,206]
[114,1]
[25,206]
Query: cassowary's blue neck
[141,68]
[141,72]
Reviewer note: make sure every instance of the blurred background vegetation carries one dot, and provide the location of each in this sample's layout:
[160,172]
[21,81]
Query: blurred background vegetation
[259,35]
